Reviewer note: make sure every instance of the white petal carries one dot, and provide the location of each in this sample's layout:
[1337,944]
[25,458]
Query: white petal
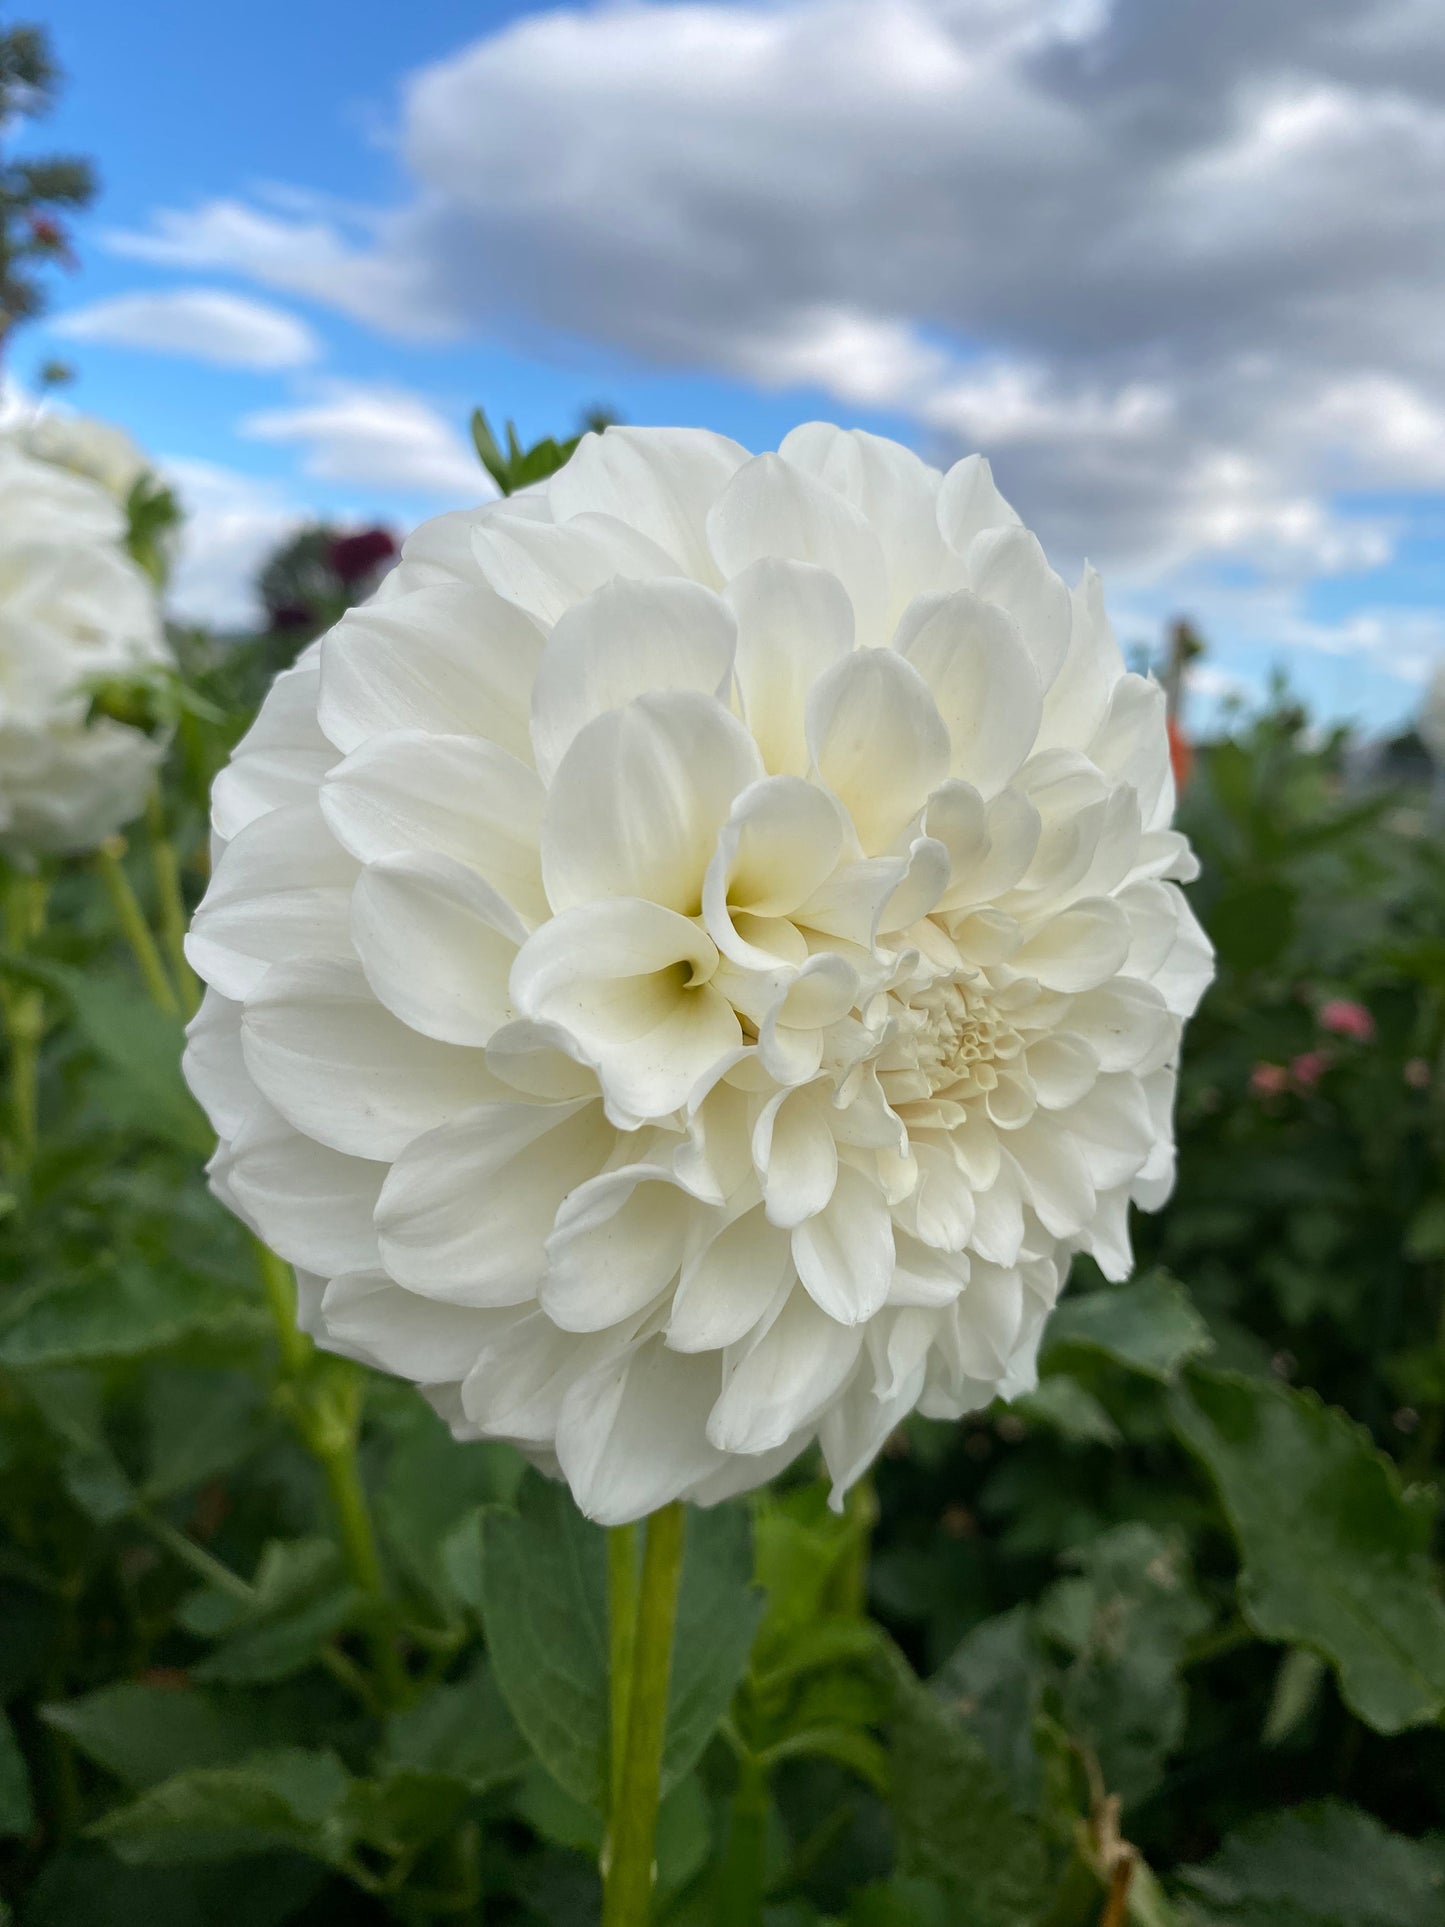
[214,1066]
[630,1436]
[660,481]
[1081,947]
[455,796]
[845,1254]
[1055,1175]
[972,656]
[969,502]
[415,1338]
[1061,1069]
[466,1211]
[281,890]
[989,848]
[343,1070]
[1008,566]
[877,741]
[437,945]
[626,640]
[777,1383]
[1079,694]
[546,568]
[617,1243]
[781,842]
[728,1284]
[1131,745]
[627,980]
[313,1205]
[539,1061]
[923,1276]
[770,508]
[450,659]
[796,1155]
[794,621]
[281,759]
[1126,1025]
[894,490]
[637,803]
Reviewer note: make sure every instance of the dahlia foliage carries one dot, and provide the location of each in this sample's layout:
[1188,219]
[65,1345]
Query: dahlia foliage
[75,612]
[694,956]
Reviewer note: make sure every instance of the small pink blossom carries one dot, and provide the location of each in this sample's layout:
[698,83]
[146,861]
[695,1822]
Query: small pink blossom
[1269,1080]
[1347,1019]
[1417,1074]
[1308,1068]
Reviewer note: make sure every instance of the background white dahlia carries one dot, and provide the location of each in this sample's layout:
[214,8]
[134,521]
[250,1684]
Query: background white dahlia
[75,612]
[692,959]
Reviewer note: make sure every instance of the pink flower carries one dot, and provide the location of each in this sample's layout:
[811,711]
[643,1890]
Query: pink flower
[1347,1019]
[1417,1074]
[1269,1080]
[1308,1068]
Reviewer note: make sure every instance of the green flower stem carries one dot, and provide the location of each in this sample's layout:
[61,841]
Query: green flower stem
[628,1876]
[744,1871]
[326,1410]
[622,1637]
[134,928]
[23,1010]
[167,872]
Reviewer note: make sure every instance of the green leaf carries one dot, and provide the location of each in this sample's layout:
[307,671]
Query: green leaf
[291,1797]
[87,1886]
[1150,1326]
[200,1424]
[994,1682]
[464,1732]
[300,1598]
[1335,1556]
[1324,1865]
[117,1310]
[139,1087]
[958,1823]
[718,1610]
[901,1903]
[544,1605]
[144,1733]
[1062,1405]
[431,1484]
[71,1404]
[1125,1621]
[17,1809]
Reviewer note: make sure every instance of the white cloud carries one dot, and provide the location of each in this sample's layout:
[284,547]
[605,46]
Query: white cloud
[207,324]
[1185,260]
[233,523]
[378,437]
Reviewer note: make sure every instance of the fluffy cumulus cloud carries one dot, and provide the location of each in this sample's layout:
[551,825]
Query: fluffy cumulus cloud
[1177,268]
[376,436]
[205,324]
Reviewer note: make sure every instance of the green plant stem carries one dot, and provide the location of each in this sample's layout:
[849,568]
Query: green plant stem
[628,1875]
[134,928]
[327,1415]
[167,872]
[622,1637]
[744,1871]
[213,1572]
[279,1286]
[23,1008]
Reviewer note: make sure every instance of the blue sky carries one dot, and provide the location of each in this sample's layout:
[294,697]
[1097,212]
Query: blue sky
[1177,271]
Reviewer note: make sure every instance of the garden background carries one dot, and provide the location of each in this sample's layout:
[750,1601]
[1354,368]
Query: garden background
[1162,1642]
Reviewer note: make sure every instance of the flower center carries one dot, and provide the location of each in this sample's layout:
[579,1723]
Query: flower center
[950,1043]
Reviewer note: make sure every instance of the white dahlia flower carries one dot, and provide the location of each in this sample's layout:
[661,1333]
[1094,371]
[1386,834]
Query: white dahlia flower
[693,957]
[75,611]
[85,446]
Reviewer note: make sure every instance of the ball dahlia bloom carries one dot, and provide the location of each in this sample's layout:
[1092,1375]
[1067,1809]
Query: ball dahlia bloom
[75,611]
[694,956]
